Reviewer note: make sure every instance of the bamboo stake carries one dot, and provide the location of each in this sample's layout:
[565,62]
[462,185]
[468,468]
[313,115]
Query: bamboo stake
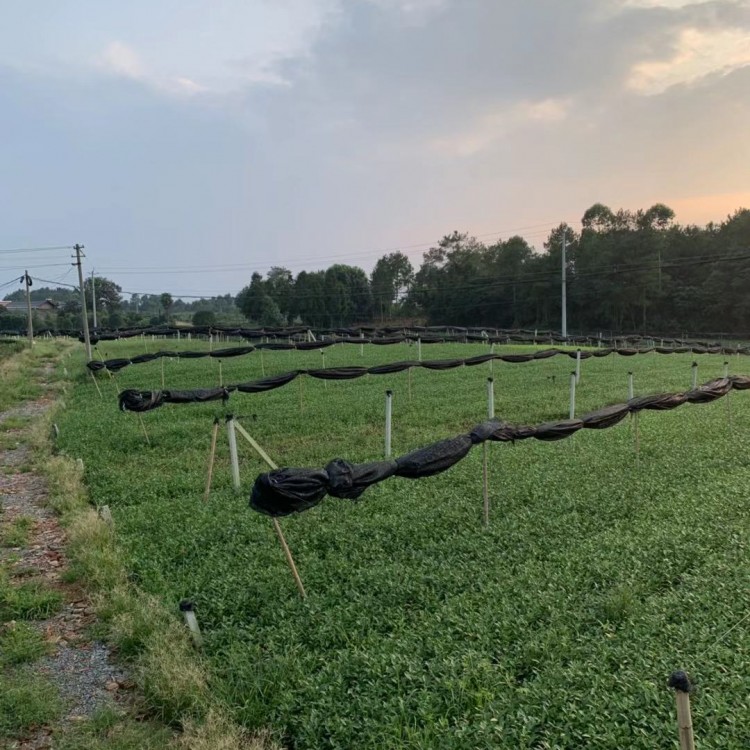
[211,458]
[578,365]
[323,355]
[276,526]
[98,389]
[694,368]
[630,386]
[681,683]
[162,373]
[409,382]
[262,364]
[143,427]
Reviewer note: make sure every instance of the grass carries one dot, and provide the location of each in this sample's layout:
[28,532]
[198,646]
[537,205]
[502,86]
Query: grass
[557,626]
[16,532]
[19,643]
[30,600]
[26,702]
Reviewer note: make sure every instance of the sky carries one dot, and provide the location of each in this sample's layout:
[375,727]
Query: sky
[188,143]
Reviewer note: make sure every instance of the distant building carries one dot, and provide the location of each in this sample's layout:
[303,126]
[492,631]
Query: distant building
[43,309]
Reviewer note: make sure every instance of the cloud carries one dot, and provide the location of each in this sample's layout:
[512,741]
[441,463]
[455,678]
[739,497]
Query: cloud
[123,60]
[492,127]
[697,54]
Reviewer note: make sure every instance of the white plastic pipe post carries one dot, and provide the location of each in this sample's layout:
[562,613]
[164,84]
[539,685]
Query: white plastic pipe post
[695,374]
[233,453]
[388,414]
[578,365]
[631,392]
[572,395]
[490,398]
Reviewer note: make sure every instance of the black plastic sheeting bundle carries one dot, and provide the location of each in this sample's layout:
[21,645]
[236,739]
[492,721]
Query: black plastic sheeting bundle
[134,400]
[286,491]
[115,365]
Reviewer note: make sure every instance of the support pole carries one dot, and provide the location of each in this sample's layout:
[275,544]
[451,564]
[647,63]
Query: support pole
[572,412]
[695,375]
[726,369]
[388,415]
[84,316]
[276,526]
[301,393]
[578,365]
[408,370]
[162,373]
[30,321]
[211,458]
[630,386]
[98,389]
[233,453]
[188,612]
[564,326]
[323,355]
[93,297]
[485,455]
[263,364]
[143,427]
[681,684]
[419,349]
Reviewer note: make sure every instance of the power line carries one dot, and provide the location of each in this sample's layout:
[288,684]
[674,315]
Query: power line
[35,249]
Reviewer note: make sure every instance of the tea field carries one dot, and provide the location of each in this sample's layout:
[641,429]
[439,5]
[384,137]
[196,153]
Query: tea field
[555,627]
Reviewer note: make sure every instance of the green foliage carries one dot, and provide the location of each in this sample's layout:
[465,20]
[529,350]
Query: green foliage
[110,729]
[20,642]
[204,318]
[555,627]
[26,702]
[16,532]
[31,600]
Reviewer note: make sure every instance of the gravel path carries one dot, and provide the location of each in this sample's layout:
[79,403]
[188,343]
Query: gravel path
[79,667]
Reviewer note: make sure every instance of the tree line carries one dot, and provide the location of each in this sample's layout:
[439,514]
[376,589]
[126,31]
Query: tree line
[626,271]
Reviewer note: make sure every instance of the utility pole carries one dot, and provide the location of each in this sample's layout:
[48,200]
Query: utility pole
[84,316]
[27,281]
[564,288]
[93,296]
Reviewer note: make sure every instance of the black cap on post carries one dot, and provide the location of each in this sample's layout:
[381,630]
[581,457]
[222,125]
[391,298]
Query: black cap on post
[679,681]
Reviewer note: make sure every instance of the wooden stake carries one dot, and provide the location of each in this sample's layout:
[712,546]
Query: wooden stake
[681,683]
[143,427]
[323,355]
[578,365]
[695,375]
[490,398]
[162,373]
[276,526]
[98,389]
[211,457]
[631,392]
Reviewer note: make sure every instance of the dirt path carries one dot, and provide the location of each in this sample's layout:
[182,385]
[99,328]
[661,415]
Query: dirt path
[77,665]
